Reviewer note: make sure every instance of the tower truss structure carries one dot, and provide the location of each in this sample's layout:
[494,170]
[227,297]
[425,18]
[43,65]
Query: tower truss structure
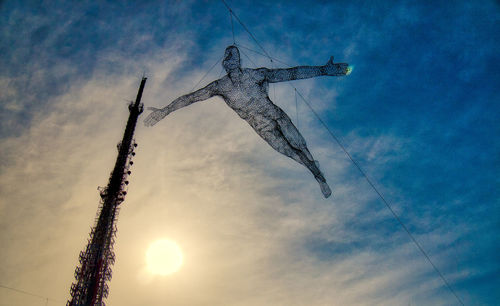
[94,269]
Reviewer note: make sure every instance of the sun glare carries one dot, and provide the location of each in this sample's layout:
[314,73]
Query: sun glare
[164,257]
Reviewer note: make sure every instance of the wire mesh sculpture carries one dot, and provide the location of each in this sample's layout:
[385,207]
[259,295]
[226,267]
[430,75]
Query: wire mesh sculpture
[245,90]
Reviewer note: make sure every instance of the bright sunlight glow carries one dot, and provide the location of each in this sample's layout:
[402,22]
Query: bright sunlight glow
[164,257]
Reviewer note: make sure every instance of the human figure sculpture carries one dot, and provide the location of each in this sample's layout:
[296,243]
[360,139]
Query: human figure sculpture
[245,90]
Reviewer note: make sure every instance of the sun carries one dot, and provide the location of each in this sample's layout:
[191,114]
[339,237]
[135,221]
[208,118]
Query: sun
[164,257]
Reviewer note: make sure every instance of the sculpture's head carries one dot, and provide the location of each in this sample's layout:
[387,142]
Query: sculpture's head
[231,59]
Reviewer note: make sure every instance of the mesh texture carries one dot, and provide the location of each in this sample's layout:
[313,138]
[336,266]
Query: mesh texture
[246,91]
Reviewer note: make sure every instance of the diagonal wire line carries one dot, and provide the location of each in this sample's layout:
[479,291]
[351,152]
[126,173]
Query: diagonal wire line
[198,83]
[246,29]
[232,27]
[221,71]
[248,57]
[29,293]
[380,196]
[260,53]
[352,160]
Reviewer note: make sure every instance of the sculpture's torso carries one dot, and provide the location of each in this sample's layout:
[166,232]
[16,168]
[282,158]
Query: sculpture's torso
[247,94]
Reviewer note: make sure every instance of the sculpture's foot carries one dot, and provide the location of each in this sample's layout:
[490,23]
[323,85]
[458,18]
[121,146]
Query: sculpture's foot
[325,189]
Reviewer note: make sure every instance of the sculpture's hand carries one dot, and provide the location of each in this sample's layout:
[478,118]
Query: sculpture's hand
[155,116]
[336,69]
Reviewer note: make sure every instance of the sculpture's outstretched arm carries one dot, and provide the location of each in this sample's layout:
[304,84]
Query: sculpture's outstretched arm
[305,72]
[202,94]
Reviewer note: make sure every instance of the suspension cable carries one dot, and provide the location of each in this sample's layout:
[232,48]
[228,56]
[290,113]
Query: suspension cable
[232,26]
[198,83]
[248,57]
[381,197]
[260,53]
[246,29]
[29,293]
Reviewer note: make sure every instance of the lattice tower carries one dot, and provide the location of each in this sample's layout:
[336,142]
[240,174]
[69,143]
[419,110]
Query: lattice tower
[94,269]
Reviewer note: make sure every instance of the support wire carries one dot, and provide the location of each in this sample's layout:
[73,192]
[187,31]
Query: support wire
[29,293]
[198,83]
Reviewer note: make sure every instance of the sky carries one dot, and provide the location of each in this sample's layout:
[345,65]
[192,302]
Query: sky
[419,113]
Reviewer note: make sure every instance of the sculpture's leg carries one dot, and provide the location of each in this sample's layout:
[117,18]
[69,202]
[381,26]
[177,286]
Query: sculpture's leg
[295,148]
[297,142]
[313,166]
[292,135]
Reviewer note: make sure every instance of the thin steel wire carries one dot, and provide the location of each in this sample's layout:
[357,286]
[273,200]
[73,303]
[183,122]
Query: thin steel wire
[248,57]
[198,83]
[29,293]
[380,196]
[245,28]
[232,27]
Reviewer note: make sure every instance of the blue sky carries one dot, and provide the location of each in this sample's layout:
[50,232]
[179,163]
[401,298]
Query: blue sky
[419,113]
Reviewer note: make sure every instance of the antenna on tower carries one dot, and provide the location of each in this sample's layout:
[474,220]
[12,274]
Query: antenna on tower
[95,261]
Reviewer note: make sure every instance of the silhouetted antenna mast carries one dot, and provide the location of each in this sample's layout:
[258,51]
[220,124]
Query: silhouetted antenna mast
[95,262]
